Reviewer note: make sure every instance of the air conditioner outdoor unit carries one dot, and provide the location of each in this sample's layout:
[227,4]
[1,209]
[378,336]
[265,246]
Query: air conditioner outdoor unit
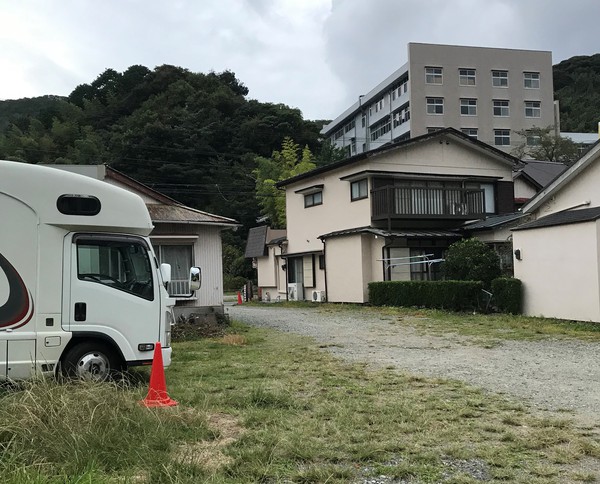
[295,292]
[318,296]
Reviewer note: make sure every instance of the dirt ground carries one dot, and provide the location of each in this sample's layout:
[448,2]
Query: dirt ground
[548,375]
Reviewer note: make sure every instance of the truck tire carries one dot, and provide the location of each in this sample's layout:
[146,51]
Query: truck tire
[91,361]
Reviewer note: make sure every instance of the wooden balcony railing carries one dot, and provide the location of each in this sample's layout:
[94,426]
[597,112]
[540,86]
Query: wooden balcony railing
[412,202]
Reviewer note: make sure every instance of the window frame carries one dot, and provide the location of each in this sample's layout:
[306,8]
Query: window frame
[362,183]
[499,80]
[532,80]
[464,77]
[310,199]
[431,102]
[503,108]
[533,109]
[468,132]
[433,74]
[501,134]
[471,105]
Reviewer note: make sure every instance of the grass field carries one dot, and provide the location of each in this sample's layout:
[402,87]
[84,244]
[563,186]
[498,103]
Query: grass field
[261,406]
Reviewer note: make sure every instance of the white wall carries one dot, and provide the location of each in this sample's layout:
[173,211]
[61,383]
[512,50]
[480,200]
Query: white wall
[559,271]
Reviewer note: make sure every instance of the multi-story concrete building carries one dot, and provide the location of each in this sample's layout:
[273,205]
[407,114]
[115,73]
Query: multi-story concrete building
[488,93]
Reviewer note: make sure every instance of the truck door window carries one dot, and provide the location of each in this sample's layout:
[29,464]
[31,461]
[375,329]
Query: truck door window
[121,264]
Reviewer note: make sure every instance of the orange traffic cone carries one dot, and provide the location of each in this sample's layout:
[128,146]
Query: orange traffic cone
[239,298]
[157,393]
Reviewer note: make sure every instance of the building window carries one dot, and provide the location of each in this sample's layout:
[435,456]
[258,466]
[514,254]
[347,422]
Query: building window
[338,134]
[500,78]
[466,77]
[379,105]
[468,107]
[531,80]
[501,108]
[353,146]
[359,190]
[533,139]
[312,199]
[381,127]
[181,258]
[349,126]
[533,109]
[401,116]
[435,105]
[471,132]
[502,137]
[433,75]
[363,120]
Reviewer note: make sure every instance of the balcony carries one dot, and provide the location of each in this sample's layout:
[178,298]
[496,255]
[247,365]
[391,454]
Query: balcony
[427,203]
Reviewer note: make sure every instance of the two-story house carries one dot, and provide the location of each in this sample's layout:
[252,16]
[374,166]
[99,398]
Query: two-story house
[387,214]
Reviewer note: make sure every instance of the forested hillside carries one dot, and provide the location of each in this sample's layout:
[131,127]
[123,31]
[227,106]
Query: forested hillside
[192,136]
[577,87]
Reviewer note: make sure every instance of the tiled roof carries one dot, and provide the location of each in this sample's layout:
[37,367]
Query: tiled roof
[392,233]
[563,218]
[160,212]
[492,221]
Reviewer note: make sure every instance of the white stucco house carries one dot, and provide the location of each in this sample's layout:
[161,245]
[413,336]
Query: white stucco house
[557,255]
[182,236]
[385,214]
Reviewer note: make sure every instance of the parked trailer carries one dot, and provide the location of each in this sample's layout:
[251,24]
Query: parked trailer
[81,291]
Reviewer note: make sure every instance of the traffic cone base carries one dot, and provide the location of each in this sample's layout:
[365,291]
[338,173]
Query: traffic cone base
[157,393]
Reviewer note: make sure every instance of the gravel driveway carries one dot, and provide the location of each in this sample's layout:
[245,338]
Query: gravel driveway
[549,374]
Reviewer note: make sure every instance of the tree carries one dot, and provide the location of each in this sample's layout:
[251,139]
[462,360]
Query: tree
[471,260]
[543,144]
[283,164]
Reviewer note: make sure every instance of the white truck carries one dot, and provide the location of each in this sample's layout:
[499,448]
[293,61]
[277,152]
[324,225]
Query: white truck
[81,291]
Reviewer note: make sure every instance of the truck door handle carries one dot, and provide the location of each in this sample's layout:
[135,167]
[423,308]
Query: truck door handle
[80,311]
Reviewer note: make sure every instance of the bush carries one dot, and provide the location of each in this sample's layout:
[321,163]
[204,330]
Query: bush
[507,295]
[451,295]
[233,283]
[471,260]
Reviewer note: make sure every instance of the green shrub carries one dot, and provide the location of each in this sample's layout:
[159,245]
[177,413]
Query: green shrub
[451,295]
[507,295]
[233,283]
[471,260]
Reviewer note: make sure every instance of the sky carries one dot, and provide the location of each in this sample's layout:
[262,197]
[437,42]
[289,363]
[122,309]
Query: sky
[314,55]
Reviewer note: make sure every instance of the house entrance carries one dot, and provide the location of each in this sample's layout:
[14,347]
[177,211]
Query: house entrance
[295,279]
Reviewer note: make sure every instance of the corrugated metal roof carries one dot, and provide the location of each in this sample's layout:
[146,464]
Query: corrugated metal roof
[563,218]
[181,214]
[393,233]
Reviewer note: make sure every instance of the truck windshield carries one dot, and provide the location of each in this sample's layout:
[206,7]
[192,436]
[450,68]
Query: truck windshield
[120,264]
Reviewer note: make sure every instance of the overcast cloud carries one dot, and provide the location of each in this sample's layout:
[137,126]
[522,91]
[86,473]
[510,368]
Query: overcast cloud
[315,55]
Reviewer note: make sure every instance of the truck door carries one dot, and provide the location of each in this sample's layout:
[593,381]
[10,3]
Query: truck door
[113,292]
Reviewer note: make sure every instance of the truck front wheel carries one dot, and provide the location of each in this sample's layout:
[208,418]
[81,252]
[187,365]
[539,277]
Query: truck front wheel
[90,361]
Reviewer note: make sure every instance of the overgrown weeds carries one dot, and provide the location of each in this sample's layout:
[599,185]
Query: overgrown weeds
[277,409]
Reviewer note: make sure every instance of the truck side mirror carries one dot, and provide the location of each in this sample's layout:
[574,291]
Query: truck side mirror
[165,273]
[195,278]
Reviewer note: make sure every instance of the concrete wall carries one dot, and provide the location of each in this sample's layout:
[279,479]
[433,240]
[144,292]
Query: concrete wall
[559,270]
[483,60]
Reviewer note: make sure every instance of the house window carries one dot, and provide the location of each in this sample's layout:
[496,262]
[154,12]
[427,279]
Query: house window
[500,78]
[312,199]
[435,105]
[468,107]
[501,108]
[502,137]
[532,139]
[420,269]
[359,190]
[531,80]
[181,258]
[471,132]
[322,262]
[466,77]
[533,109]
[433,75]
